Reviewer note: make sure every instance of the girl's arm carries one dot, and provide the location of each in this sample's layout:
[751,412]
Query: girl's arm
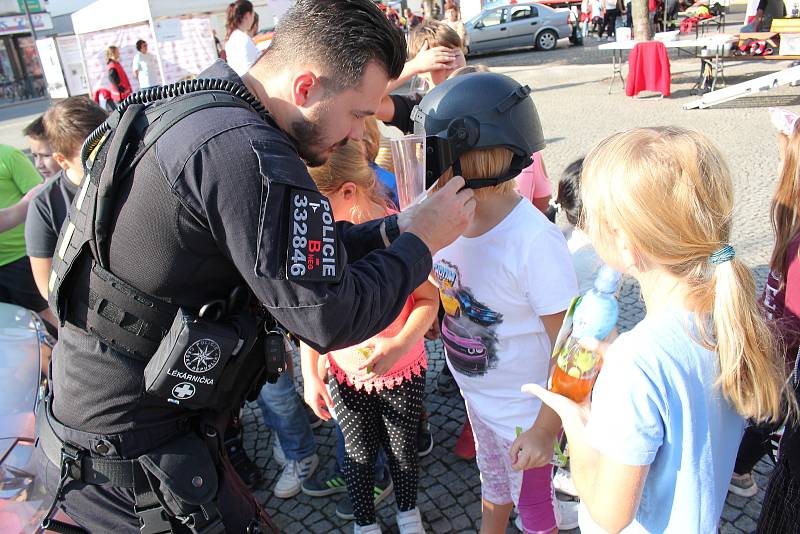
[315,393]
[387,351]
[610,490]
[534,448]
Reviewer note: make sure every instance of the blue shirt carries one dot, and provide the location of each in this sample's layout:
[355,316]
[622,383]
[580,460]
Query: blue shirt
[655,404]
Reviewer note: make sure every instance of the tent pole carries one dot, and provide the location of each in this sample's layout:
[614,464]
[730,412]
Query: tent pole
[155,41]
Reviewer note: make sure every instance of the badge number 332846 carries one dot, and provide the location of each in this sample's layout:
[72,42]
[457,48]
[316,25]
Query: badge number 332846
[312,242]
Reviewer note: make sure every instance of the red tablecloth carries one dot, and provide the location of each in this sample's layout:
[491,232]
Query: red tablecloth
[648,69]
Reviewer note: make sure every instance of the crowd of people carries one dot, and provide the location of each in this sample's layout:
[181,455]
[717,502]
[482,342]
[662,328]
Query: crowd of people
[660,444]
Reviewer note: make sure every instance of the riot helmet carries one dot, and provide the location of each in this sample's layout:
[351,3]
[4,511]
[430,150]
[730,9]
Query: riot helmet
[478,110]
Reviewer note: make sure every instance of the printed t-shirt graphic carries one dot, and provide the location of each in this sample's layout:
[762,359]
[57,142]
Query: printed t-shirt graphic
[468,328]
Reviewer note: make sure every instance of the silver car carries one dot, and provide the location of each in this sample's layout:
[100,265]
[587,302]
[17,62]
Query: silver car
[516,25]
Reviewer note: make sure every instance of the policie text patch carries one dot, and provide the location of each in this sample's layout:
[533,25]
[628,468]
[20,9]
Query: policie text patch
[312,251]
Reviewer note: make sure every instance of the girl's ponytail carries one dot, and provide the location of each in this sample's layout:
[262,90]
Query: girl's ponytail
[751,372]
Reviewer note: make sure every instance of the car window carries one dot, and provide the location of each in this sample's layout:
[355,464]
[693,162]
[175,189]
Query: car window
[493,19]
[523,12]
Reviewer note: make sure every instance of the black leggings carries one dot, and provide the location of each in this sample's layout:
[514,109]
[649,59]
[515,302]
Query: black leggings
[390,418]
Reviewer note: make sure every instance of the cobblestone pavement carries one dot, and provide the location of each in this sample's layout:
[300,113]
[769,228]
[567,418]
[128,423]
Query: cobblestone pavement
[570,90]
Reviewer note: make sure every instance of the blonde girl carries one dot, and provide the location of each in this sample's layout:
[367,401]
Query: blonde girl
[376,388]
[656,450]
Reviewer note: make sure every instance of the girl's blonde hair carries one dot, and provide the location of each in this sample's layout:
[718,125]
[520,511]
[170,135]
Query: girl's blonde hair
[484,163]
[785,220]
[670,193]
[111,52]
[348,164]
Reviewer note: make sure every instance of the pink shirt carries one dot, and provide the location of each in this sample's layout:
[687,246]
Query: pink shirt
[533,182]
[344,363]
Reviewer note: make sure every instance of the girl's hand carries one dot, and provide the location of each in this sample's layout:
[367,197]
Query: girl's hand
[316,395]
[386,351]
[432,59]
[533,448]
[434,331]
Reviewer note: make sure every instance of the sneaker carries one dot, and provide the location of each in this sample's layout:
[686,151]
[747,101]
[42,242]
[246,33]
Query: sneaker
[743,485]
[562,481]
[424,438]
[374,528]
[293,475]
[383,488]
[445,383]
[410,522]
[465,446]
[324,484]
[277,451]
[567,514]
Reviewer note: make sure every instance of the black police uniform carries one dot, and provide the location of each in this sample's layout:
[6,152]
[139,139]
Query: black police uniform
[205,208]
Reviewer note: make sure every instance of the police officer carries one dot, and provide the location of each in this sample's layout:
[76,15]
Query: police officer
[220,200]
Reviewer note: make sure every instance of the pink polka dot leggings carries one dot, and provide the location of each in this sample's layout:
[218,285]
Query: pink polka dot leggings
[388,418]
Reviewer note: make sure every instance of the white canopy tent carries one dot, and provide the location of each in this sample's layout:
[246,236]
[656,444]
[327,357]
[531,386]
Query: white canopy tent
[174,31]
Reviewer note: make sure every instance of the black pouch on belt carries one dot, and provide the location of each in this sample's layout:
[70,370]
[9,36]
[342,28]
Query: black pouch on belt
[188,365]
[183,475]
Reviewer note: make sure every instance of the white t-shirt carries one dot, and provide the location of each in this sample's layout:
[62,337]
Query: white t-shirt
[241,52]
[584,258]
[597,8]
[146,65]
[494,288]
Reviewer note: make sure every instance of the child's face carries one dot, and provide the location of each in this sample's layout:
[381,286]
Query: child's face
[43,157]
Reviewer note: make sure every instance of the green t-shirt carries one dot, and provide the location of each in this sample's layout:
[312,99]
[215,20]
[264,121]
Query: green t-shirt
[17,177]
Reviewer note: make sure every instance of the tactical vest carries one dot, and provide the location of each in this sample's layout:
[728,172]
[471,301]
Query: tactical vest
[118,314]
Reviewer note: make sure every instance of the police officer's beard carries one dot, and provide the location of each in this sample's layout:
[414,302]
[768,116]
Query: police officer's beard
[308,136]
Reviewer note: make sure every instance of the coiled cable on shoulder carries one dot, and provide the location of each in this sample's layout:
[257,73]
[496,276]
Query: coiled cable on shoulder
[161,92]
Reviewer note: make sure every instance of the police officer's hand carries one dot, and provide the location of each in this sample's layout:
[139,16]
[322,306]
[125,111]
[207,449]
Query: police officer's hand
[316,395]
[442,217]
[383,352]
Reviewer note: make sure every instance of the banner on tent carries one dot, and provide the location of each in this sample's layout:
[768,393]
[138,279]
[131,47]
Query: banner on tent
[186,46]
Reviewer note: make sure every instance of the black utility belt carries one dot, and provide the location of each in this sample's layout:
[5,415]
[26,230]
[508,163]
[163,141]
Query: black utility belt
[199,361]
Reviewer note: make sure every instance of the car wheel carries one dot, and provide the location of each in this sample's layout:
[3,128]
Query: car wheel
[547,40]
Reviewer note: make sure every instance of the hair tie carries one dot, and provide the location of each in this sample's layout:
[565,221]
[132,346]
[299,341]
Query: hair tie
[555,205]
[726,253]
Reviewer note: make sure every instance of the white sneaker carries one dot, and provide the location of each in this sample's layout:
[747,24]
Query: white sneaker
[293,475]
[374,528]
[277,451]
[567,514]
[562,481]
[410,522]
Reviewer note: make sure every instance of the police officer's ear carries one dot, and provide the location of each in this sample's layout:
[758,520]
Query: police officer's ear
[307,89]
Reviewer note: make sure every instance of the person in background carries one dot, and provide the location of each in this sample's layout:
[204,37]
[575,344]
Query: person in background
[655,450]
[568,202]
[780,512]
[18,176]
[434,52]
[598,17]
[534,184]
[611,11]
[144,65]
[66,125]
[412,20]
[40,149]
[452,17]
[376,387]
[120,85]
[254,28]
[373,142]
[240,50]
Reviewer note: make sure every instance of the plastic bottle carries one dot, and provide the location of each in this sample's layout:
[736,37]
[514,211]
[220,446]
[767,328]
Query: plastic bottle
[595,316]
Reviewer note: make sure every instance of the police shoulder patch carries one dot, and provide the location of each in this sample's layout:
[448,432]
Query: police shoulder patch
[312,254]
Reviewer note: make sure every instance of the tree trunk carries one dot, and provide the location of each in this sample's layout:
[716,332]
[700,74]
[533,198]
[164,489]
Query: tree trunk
[642,29]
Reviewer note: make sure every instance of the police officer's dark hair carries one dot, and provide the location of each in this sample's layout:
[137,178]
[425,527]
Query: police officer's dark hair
[140,44]
[568,196]
[344,35]
[35,130]
[69,122]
